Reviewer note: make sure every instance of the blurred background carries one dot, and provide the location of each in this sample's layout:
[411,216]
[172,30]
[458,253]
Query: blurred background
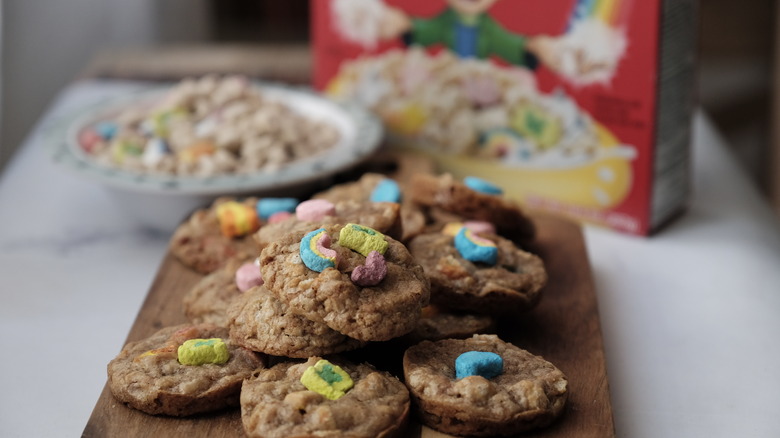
[46,44]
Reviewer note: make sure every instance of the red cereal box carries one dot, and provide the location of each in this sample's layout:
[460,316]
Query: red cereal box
[579,107]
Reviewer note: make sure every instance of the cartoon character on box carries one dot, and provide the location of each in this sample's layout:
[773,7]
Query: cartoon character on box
[469,31]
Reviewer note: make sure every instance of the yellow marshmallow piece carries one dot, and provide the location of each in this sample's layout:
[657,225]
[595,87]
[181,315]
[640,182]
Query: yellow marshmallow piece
[327,379]
[203,351]
[362,239]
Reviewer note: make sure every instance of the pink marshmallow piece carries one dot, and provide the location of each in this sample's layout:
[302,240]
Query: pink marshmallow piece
[88,140]
[279,216]
[314,210]
[479,227]
[248,276]
[372,273]
[323,246]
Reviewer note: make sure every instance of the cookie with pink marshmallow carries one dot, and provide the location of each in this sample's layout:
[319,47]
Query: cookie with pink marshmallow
[309,215]
[353,278]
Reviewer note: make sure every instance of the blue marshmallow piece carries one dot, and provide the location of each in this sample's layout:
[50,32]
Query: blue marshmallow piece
[482,186]
[106,129]
[266,207]
[479,363]
[386,191]
[475,248]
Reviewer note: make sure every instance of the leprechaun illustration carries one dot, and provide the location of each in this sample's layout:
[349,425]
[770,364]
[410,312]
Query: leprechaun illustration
[466,28]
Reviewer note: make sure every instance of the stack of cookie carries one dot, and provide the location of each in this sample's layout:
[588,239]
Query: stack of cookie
[424,264]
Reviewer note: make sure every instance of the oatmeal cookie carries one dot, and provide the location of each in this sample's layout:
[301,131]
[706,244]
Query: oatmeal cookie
[380,312]
[148,376]
[528,393]
[513,284]
[200,244]
[412,217]
[209,299]
[275,403]
[381,216]
[453,196]
[438,323]
[260,322]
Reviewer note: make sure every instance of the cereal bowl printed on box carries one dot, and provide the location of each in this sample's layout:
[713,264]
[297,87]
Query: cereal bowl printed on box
[162,196]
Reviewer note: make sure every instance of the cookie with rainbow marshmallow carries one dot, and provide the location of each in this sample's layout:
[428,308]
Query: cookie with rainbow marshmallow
[223,230]
[323,398]
[352,278]
[473,199]
[182,370]
[476,271]
[483,386]
[213,235]
[260,322]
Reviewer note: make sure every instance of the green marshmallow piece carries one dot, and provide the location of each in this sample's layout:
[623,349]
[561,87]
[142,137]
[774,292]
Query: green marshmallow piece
[362,239]
[327,379]
[203,351]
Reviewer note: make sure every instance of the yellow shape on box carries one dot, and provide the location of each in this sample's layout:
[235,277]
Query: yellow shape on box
[237,219]
[408,120]
[362,239]
[203,351]
[599,183]
[327,379]
[537,124]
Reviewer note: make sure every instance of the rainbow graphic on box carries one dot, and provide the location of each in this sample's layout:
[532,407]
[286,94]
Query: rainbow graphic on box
[613,13]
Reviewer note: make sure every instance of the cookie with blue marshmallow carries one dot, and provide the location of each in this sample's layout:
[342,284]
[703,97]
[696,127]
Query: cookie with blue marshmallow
[473,199]
[382,216]
[479,272]
[375,187]
[483,386]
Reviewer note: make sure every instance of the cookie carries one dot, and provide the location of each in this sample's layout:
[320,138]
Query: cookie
[380,312]
[527,393]
[260,322]
[275,403]
[437,323]
[513,284]
[200,244]
[381,216]
[447,193]
[209,299]
[412,218]
[359,190]
[148,374]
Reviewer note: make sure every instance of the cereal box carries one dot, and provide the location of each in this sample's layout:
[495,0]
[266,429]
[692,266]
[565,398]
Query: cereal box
[579,107]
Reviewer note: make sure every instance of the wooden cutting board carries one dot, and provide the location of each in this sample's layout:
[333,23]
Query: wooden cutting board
[564,329]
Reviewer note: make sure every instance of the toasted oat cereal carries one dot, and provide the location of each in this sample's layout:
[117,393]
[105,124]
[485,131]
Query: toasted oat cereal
[207,126]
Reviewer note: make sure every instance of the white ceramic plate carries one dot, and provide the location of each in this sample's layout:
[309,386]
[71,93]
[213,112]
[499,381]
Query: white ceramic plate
[162,201]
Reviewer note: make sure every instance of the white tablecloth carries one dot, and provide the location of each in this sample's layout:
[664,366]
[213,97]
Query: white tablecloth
[689,316]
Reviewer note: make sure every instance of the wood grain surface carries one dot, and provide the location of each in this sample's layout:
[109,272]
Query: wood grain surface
[564,329]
